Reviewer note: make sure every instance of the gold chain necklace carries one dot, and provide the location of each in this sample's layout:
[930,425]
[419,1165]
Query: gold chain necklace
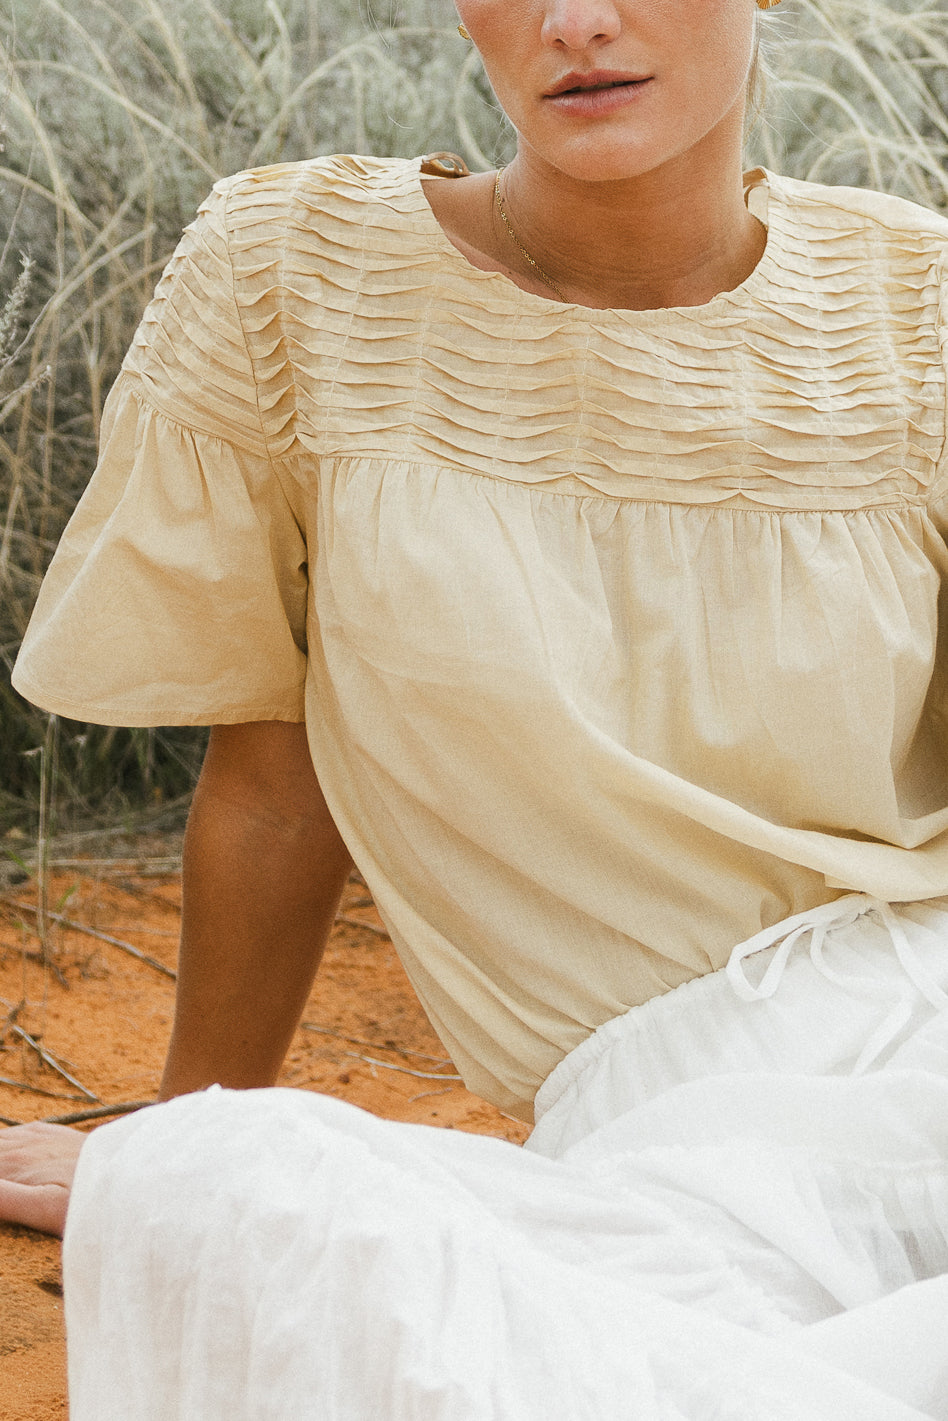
[501,208]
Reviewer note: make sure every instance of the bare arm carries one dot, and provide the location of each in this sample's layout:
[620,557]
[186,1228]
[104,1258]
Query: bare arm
[264,868]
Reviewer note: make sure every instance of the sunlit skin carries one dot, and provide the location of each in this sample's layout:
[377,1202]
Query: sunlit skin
[627,197]
[37,1163]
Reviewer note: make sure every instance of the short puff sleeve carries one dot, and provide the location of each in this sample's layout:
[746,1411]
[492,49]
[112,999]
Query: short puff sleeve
[177,595]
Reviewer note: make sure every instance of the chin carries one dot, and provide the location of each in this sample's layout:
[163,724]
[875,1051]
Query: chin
[597,160]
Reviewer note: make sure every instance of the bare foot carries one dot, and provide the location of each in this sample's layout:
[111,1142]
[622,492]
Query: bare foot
[37,1163]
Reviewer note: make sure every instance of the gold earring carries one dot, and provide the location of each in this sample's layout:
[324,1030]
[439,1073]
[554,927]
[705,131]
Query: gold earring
[767,4]
[464,34]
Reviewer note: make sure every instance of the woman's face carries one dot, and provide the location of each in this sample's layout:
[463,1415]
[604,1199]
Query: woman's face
[675,73]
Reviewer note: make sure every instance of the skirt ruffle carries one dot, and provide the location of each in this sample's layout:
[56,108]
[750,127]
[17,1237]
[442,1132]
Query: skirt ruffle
[729,1210]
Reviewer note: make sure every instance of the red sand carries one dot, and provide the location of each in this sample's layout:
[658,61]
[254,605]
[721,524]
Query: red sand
[108,1026]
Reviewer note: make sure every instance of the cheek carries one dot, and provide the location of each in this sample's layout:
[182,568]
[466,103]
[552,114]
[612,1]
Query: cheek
[728,42]
[506,37]
[501,30]
[714,69]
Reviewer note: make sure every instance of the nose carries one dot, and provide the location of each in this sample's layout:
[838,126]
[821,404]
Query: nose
[575,24]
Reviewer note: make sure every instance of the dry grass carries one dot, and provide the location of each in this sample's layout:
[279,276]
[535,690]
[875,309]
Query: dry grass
[859,95]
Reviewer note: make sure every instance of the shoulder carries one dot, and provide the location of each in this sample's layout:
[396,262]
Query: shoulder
[343,186]
[301,234]
[861,213]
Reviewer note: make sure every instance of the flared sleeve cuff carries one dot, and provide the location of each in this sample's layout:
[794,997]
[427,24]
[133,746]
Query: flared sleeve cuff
[177,595]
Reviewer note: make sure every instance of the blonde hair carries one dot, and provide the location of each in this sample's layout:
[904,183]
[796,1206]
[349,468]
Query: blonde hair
[757,79]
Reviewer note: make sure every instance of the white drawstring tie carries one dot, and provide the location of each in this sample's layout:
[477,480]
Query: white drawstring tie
[818,922]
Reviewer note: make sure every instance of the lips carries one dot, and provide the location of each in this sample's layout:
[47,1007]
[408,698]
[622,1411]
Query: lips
[576,83]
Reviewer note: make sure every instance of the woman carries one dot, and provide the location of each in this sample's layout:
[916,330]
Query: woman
[582,526]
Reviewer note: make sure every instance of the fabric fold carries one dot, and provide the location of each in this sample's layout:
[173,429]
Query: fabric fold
[618,634]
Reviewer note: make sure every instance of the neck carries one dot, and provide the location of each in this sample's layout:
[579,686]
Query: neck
[677,236]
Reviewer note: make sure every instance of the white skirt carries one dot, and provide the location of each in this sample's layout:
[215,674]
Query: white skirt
[734,1207]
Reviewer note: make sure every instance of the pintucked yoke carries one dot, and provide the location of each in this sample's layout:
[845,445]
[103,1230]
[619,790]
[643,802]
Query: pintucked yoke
[616,633]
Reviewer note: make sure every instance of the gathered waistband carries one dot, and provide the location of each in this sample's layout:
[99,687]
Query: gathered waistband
[819,921]
[842,988]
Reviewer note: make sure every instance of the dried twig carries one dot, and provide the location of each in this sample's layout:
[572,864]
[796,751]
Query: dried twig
[148,932]
[361,923]
[37,1089]
[375,1045]
[49,765]
[168,867]
[101,1112]
[426,1093]
[405,1070]
[51,965]
[104,937]
[51,1061]
[12,1013]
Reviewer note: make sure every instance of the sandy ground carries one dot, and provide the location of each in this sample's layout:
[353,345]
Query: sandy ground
[103,1016]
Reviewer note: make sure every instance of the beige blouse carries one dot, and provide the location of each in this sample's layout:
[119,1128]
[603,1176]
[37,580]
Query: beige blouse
[616,633]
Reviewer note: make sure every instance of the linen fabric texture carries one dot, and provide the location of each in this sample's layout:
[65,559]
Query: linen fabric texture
[728,1211]
[618,635]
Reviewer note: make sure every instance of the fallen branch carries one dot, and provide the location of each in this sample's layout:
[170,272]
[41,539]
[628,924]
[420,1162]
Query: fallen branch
[101,1112]
[149,932]
[375,1045]
[167,867]
[11,1016]
[426,1093]
[37,1089]
[361,923]
[51,1061]
[104,937]
[162,867]
[46,962]
[388,1066]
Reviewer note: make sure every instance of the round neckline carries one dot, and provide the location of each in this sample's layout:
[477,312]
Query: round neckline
[759,196]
